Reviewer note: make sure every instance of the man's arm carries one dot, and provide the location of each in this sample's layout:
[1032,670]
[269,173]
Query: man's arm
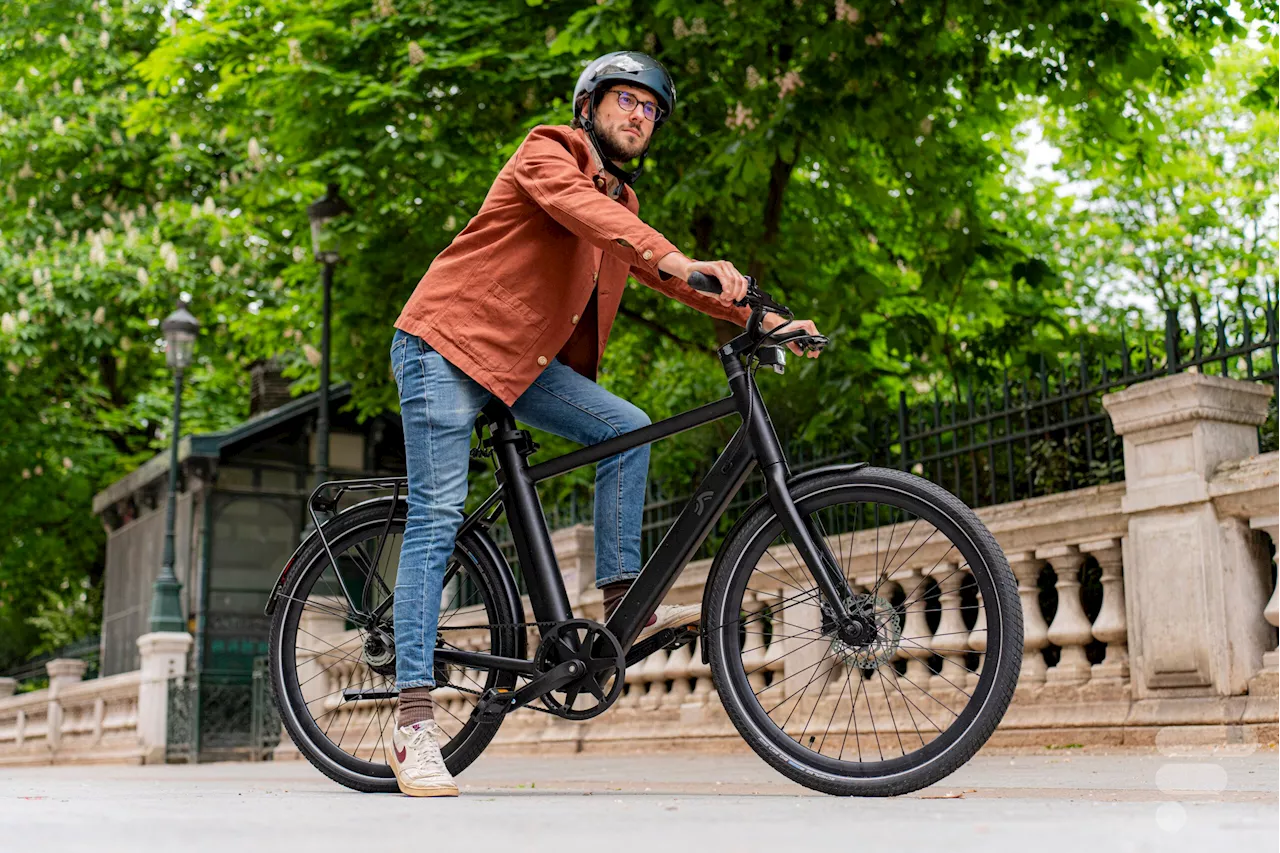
[547,171]
[678,288]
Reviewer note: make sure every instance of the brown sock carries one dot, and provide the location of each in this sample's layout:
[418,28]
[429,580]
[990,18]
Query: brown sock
[415,706]
[613,593]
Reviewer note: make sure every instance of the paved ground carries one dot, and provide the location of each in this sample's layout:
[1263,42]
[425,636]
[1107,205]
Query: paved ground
[1075,801]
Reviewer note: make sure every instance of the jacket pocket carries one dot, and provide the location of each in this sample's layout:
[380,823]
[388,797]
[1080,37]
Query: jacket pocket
[500,328]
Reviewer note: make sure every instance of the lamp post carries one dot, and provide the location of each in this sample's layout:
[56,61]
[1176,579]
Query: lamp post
[180,330]
[324,243]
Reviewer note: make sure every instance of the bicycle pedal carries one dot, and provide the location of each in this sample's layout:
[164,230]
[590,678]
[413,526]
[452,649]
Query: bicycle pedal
[493,705]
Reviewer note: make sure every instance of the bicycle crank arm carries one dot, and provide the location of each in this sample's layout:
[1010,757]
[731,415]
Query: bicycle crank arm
[667,638]
[495,703]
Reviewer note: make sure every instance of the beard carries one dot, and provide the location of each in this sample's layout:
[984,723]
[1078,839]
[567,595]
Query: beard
[617,144]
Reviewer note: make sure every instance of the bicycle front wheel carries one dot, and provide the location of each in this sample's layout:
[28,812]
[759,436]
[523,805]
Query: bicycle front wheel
[917,692]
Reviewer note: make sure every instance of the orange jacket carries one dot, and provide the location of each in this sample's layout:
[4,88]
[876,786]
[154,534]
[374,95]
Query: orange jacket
[503,299]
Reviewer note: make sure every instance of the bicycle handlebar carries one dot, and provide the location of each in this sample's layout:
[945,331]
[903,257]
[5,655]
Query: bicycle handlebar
[755,297]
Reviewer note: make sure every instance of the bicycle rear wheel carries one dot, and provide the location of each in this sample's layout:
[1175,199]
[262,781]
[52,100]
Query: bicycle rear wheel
[889,710]
[333,669]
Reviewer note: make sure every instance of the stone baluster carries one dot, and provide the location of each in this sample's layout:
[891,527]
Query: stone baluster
[754,653]
[886,669]
[1035,631]
[677,672]
[8,687]
[1070,630]
[916,636]
[1111,626]
[978,642]
[952,635]
[653,670]
[1271,613]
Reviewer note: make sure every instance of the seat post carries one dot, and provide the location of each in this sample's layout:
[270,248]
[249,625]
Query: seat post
[537,557]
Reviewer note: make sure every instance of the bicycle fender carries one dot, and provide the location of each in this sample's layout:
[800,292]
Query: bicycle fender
[793,482]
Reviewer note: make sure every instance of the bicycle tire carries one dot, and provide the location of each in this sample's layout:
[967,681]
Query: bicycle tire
[990,569]
[343,531]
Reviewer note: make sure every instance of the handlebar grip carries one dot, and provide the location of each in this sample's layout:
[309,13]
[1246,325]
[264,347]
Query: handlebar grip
[705,283]
[710,284]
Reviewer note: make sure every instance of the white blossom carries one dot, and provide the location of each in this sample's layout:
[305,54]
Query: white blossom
[678,29]
[217,265]
[58,126]
[312,354]
[64,42]
[26,171]
[847,13]
[116,138]
[24,316]
[21,87]
[209,207]
[143,278]
[175,141]
[7,324]
[100,315]
[104,39]
[298,254]
[788,83]
[384,8]
[66,462]
[754,80]
[295,52]
[77,86]
[416,54]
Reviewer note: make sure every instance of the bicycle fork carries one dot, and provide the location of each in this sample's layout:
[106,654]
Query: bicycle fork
[809,543]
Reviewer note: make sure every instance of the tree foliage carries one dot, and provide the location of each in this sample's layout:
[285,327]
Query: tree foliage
[856,160]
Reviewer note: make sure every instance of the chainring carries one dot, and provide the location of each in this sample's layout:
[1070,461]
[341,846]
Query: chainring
[606,665]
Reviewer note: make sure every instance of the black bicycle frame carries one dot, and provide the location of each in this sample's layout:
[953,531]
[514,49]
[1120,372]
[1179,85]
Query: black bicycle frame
[754,441]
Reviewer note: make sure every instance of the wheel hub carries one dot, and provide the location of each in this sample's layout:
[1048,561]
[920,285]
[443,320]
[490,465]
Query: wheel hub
[870,637]
[380,651]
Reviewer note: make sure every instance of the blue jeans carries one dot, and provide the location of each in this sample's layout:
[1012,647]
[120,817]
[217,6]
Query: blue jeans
[438,405]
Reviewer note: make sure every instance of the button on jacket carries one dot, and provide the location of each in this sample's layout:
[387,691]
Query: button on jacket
[507,294]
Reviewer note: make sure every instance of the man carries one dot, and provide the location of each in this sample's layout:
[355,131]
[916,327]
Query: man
[520,306]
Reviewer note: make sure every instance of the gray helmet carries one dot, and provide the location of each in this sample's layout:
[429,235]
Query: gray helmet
[623,66]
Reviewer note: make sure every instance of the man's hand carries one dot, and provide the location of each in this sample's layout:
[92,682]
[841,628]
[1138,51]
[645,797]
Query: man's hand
[733,284]
[772,321]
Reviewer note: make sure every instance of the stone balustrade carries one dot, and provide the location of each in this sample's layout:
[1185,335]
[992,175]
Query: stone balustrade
[104,720]
[1149,608]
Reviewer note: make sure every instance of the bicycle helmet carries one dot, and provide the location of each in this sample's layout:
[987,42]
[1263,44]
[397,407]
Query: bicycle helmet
[622,66]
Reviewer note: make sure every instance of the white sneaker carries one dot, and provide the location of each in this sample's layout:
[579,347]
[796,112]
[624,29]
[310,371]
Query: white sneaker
[672,616]
[417,762]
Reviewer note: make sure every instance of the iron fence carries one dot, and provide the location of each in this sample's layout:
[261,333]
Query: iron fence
[32,674]
[1012,437]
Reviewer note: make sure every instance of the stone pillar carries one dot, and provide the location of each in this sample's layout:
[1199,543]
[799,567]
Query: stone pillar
[1187,583]
[163,655]
[1110,627]
[63,672]
[8,687]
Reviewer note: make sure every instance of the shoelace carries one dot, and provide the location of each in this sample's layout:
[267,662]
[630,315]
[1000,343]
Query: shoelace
[427,760]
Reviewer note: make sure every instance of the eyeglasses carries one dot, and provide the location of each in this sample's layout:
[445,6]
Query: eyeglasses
[628,102]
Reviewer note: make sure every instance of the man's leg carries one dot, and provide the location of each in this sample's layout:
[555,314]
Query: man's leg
[438,407]
[568,404]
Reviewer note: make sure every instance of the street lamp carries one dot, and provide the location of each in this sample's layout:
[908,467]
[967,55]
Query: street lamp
[180,330]
[324,242]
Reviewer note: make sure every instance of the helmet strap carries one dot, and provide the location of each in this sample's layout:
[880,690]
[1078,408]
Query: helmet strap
[589,125]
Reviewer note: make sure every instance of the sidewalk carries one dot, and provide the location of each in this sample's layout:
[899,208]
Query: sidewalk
[1056,802]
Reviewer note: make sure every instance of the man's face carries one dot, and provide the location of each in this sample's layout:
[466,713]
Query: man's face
[623,135]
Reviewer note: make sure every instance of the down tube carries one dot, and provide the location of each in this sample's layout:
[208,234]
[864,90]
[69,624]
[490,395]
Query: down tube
[683,539]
